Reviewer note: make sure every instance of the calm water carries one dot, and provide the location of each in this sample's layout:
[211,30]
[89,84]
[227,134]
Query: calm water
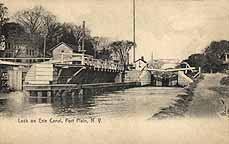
[136,102]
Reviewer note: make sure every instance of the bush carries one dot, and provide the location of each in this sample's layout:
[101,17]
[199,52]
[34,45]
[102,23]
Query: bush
[225,81]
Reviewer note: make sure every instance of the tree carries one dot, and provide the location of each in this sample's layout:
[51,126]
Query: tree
[198,60]
[3,16]
[101,47]
[121,49]
[13,29]
[214,54]
[70,34]
[37,23]
[36,20]
[211,60]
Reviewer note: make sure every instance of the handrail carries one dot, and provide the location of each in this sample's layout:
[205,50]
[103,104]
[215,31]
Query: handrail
[91,61]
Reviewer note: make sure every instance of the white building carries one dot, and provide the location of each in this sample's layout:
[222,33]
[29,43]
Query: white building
[140,63]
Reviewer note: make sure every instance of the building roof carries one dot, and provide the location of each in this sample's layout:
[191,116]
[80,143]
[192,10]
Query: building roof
[73,47]
[141,59]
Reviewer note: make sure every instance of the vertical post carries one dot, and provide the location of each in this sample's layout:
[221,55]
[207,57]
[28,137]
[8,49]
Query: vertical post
[177,79]
[128,58]
[186,71]
[83,59]
[226,109]
[134,15]
[95,51]
[73,96]
[226,58]
[83,40]
[39,97]
[49,96]
[44,45]
[80,94]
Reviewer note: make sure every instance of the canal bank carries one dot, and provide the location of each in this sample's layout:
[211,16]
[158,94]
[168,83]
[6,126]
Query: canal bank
[202,99]
[206,101]
[180,105]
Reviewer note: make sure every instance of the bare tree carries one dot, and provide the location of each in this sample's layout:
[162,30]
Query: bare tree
[3,15]
[36,20]
[100,44]
[121,49]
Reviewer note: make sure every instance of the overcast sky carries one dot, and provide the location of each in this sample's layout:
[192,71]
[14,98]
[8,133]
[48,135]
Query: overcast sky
[169,28]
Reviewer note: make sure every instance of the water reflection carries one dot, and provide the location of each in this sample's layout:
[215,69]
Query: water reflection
[142,102]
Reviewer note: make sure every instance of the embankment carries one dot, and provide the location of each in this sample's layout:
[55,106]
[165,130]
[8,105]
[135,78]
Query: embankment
[181,104]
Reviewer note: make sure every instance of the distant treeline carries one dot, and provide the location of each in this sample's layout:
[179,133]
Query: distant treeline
[33,26]
[211,60]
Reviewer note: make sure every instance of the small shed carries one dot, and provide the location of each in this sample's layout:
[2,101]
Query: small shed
[63,48]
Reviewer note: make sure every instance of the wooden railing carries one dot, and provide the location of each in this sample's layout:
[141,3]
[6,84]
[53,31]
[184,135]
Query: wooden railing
[24,60]
[88,60]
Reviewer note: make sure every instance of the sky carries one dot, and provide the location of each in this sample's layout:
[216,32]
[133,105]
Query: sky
[164,28]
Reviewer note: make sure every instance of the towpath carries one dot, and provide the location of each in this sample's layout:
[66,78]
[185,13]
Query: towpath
[206,103]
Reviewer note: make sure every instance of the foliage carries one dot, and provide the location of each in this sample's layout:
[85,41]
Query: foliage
[35,20]
[122,48]
[104,54]
[3,16]
[211,60]
[35,25]
[225,81]
[13,29]
[41,23]
[70,34]
[101,47]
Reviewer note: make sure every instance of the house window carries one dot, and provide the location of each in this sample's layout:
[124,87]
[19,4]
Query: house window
[9,45]
[27,52]
[32,52]
[8,54]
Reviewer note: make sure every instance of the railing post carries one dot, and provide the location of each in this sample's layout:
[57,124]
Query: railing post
[186,71]
[226,58]
[82,62]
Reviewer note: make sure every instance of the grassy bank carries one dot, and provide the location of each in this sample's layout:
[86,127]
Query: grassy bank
[181,104]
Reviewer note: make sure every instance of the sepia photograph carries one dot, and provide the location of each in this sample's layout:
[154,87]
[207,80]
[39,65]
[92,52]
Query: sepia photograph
[114,71]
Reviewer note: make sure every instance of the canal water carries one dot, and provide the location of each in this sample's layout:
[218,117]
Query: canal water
[125,119]
[141,102]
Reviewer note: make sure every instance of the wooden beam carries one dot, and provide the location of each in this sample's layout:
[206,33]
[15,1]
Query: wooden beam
[172,70]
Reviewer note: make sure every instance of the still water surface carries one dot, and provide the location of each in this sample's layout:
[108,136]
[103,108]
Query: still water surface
[140,102]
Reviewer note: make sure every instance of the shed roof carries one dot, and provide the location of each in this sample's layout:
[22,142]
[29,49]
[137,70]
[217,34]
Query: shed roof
[71,46]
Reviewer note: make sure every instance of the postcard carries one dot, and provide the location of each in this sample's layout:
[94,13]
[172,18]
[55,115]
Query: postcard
[114,71]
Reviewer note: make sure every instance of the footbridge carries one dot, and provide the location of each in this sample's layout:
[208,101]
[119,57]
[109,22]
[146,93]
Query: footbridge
[68,69]
[181,76]
[74,68]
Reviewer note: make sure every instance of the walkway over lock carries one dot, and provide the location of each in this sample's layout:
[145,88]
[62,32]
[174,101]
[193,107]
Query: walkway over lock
[75,59]
[87,60]
[73,68]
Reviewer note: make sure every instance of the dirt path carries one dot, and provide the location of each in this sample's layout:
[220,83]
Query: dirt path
[205,103]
